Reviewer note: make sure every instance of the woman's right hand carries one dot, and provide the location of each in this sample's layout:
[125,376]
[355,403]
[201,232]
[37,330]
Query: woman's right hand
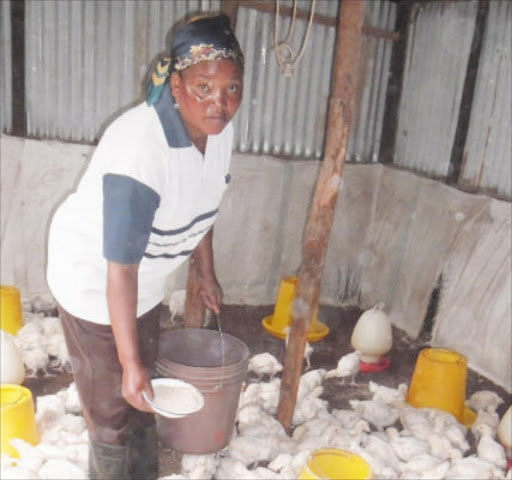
[136,381]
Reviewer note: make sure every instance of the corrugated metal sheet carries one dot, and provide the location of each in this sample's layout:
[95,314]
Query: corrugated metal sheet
[365,135]
[75,85]
[488,144]
[5,67]
[286,115]
[87,60]
[437,56]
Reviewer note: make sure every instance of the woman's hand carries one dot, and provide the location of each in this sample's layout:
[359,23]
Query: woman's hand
[122,282]
[209,288]
[210,292]
[136,381]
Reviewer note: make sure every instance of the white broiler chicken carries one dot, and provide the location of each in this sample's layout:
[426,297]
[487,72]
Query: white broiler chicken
[424,463]
[406,447]
[29,456]
[310,381]
[280,461]
[70,399]
[17,471]
[471,467]
[265,364]
[484,417]
[249,414]
[489,449]
[36,360]
[248,449]
[30,333]
[266,394]
[377,446]
[197,467]
[347,417]
[415,421]
[388,395]
[62,470]
[378,414]
[49,408]
[380,468]
[177,304]
[308,408]
[308,350]
[348,366]
[345,439]
[30,340]
[485,400]
[267,426]
[231,469]
[446,424]
[439,444]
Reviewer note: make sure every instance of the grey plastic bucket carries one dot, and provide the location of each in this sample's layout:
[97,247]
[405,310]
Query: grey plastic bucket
[194,355]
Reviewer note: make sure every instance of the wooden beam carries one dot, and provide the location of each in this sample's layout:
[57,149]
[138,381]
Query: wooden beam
[395,84]
[230,8]
[269,7]
[319,223]
[194,307]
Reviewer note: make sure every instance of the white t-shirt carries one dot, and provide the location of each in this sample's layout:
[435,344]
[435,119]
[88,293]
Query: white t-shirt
[148,196]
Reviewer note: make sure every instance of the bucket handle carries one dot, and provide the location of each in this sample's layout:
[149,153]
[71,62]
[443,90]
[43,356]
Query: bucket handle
[221,351]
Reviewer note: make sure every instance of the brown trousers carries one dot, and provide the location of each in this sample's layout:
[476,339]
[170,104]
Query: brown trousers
[98,374]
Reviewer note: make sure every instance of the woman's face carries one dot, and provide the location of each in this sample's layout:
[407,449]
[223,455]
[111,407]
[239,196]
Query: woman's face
[208,94]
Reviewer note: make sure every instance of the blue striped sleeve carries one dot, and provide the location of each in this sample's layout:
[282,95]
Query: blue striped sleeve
[128,211]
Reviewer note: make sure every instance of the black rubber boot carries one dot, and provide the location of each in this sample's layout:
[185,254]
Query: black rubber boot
[143,463]
[108,462]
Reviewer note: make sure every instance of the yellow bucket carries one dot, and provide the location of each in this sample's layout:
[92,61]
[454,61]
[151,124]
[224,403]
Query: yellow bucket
[17,417]
[11,315]
[335,464]
[439,381]
[282,317]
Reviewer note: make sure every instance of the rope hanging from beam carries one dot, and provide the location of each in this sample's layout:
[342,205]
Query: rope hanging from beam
[284,53]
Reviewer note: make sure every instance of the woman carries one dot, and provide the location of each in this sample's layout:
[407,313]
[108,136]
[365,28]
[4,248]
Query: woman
[147,201]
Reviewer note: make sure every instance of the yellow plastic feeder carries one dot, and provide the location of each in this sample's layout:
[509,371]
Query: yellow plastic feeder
[439,381]
[17,418]
[282,316]
[11,315]
[335,464]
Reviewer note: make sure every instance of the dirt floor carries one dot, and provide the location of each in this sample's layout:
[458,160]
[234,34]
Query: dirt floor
[244,322]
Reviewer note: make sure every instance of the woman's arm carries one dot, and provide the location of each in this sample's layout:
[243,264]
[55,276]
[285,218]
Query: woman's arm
[122,283]
[210,290]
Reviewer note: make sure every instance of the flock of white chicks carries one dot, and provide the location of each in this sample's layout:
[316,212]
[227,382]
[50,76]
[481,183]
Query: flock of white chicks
[397,440]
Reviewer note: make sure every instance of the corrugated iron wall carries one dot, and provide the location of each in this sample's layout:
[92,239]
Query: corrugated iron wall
[439,46]
[87,60]
[286,115]
[5,67]
[75,85]
[437,56]
[488,144]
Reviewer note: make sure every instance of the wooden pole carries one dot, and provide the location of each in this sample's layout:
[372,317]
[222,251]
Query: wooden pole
[318,19]
[194,307]
[230,8]
[319,223]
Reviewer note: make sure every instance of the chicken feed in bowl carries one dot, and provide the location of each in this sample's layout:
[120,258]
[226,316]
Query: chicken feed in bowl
[173,397]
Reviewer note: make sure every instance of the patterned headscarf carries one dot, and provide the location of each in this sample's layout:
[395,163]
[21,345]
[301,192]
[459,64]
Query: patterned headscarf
[200,39]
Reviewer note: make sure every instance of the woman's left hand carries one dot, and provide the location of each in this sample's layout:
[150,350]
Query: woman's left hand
[209,288]
[211,293]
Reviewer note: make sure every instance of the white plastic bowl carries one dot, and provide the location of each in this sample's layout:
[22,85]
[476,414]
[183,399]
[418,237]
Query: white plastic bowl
[174,383]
